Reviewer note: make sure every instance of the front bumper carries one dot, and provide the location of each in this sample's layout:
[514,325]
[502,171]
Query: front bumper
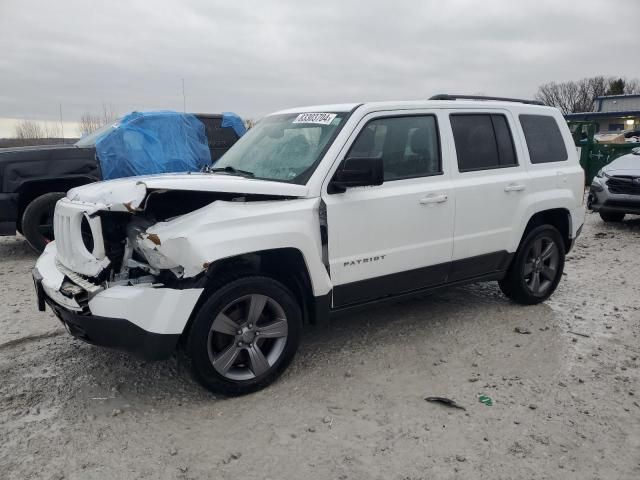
[144,320]
[602,200]
[116,333]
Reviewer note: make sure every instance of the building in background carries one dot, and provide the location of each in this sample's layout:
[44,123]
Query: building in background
[613,113]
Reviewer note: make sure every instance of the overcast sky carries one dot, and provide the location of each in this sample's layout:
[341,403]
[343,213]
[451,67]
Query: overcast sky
[253,57]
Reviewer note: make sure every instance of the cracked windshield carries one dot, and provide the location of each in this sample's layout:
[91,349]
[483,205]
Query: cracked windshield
[283,147]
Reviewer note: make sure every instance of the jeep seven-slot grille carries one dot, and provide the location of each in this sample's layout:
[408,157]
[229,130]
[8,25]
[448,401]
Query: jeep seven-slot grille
[624,185]
[62,229]
[72,251]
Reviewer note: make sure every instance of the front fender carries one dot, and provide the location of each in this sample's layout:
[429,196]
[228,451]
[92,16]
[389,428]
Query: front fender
[190,243]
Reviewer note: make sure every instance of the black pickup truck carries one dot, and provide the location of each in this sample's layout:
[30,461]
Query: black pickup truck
[33,179]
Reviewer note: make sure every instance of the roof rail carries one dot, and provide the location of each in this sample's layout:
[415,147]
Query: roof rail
[446,96]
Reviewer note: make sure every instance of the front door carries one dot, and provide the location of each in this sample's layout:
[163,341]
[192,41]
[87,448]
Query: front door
[395,237]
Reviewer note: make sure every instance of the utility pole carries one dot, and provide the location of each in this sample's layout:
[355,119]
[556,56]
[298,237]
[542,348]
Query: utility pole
[184,99]
[61,124]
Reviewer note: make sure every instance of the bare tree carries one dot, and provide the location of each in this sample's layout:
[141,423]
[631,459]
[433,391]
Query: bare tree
[598,86]
[109,115]
[565,95]
[51,130]
[580,95]
[632,87]
[29,130]
[90,122]
[249,123]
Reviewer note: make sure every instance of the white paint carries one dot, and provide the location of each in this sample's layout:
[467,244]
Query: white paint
[52,278]
[395,219]
[157,310]
[224,229]
[72,252]
[489,203]
[113,194]
[118,195]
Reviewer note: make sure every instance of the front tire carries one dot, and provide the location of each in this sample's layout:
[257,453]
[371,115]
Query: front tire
[245,335]
[37,220]
[537,267]
[612,216]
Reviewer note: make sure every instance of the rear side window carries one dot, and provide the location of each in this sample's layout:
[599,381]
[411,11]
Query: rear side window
[483,141]
[544,140]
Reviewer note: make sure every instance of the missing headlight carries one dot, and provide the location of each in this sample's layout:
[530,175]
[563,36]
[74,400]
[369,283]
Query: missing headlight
[87,235]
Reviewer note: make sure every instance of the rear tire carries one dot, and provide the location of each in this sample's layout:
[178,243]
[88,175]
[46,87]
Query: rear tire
[37,220]
[245,335]
[537,267]
[612,216]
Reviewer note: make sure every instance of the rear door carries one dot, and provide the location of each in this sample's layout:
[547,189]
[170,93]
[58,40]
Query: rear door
[552,164]
[395,237]
[490,184]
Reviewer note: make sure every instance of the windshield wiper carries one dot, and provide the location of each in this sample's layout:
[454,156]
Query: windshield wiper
[231,170]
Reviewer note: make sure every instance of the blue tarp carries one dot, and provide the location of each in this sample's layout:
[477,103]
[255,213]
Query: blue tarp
[145,143]
[230,119]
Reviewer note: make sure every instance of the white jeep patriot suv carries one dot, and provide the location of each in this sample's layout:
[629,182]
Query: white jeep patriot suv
[313,211]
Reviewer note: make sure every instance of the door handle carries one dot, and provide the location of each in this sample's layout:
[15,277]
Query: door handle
[514,187]
[429,199]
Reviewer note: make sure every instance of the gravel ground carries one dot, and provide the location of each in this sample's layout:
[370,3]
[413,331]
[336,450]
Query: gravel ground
[565,405]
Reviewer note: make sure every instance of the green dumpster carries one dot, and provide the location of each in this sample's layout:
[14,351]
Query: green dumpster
[594,155]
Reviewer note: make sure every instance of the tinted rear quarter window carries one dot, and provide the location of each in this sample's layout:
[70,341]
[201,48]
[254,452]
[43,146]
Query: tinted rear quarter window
[543,137]
[483,141]
[505,142]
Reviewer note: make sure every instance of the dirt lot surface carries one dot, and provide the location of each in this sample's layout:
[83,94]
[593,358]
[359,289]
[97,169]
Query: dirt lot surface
[565,405]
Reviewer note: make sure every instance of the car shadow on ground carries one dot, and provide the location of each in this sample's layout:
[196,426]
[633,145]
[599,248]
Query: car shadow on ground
[629,223]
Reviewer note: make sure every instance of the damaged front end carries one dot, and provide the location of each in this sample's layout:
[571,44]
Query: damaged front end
[131,235]
[91,246]
[114,281]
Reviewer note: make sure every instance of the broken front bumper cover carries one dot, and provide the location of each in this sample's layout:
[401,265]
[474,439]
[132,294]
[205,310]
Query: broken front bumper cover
[142,320]
[116,333]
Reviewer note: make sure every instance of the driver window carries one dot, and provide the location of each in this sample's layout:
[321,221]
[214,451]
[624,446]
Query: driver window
[408,145]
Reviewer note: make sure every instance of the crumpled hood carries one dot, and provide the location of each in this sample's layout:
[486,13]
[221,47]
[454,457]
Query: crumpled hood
[625,165]
[126,194]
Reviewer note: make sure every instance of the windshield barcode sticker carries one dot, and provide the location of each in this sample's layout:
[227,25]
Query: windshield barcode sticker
[321,118]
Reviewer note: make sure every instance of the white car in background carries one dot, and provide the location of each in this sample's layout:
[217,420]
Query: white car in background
[615,190]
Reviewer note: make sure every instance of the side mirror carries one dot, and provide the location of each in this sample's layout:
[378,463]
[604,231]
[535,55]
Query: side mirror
[357,172]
